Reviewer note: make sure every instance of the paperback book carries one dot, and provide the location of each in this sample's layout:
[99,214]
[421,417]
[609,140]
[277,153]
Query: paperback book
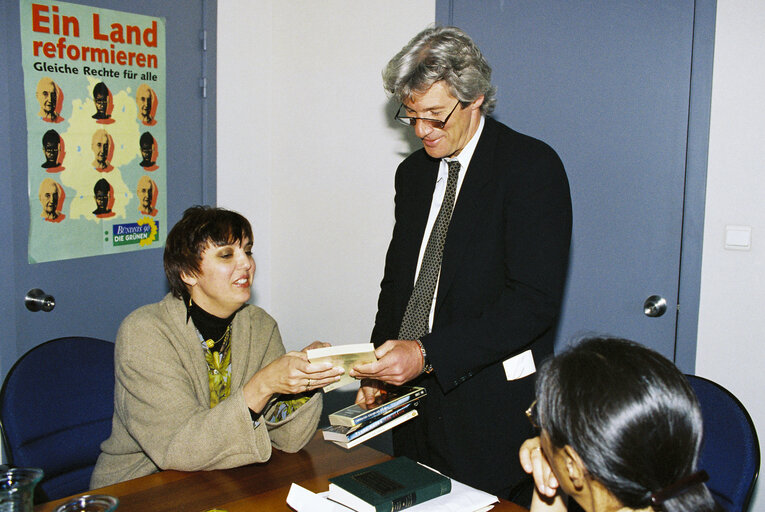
[389,399]
[345,356]
[396,484]
[348,437]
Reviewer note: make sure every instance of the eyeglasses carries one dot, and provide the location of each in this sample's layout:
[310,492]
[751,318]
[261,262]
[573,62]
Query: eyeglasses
[531,414]
[434,123]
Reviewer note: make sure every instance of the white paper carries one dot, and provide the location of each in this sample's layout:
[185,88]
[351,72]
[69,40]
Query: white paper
[462,498]
[520,366]
[303,500]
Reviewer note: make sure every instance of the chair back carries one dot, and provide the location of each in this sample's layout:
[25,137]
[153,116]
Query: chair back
[56,408]
[730,452]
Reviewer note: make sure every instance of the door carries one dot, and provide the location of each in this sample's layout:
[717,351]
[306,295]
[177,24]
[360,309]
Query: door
[608,86]
[93,294]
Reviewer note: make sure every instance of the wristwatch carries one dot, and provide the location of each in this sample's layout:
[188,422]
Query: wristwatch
[426,366]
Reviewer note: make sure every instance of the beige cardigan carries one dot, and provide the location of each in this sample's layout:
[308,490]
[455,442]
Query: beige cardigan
[162,417]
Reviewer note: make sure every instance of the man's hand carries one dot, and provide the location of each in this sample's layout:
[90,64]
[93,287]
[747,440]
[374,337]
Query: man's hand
[369,391]
[533,461]
[398,361]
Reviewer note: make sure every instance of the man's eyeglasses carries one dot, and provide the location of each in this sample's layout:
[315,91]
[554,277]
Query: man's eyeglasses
[531,414]
[434,123]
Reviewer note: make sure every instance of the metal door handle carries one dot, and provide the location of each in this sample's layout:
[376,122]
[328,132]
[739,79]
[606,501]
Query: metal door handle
[655,306]
[37,300]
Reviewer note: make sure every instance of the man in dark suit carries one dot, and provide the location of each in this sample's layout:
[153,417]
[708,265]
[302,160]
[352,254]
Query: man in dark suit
[499,281]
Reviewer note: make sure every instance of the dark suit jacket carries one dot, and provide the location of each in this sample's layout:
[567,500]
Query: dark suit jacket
[502,279]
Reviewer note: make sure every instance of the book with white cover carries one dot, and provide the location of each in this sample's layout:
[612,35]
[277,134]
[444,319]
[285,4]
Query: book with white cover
[345,356]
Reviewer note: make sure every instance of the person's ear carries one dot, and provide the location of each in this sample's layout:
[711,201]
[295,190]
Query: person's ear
[476,104]
[574,467]
[189,279]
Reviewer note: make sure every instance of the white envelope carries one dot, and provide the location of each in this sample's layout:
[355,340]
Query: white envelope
[519,366]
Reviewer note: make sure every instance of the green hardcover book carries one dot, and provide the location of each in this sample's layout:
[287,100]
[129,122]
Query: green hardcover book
[393,485]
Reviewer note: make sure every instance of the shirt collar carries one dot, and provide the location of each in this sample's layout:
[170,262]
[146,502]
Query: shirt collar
[467,152]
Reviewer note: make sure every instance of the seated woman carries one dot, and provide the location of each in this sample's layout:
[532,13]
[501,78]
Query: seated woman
[620,431]
[202,378]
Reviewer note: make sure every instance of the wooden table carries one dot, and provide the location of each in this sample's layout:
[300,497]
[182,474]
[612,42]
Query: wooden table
[249,488]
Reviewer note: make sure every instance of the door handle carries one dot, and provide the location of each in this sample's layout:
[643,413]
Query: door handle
[655,306]
[37,300]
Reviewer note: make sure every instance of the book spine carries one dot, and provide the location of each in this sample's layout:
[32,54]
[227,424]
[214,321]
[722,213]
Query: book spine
[379,430]
[417,496]
[350,436]
[374,413]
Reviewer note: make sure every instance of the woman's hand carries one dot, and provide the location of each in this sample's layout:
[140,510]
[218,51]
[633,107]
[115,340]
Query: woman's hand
[290,374]
[533,461]
[546,504]
[321,378]
[316,344]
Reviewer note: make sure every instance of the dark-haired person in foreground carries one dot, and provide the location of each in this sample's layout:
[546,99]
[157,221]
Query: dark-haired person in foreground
[202,378]
[621,431]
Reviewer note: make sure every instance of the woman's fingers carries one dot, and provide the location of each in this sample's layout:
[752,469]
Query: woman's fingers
[316,344]
[301,376]
[534,462]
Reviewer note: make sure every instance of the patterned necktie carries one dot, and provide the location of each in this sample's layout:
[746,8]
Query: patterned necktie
[415,322]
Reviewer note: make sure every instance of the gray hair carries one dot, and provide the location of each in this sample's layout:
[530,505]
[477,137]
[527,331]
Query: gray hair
[441,53]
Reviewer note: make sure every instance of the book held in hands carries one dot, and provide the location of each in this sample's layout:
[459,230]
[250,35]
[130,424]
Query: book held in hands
[348,437]
[390,398]
[396,484]
[359,423]
[345,356]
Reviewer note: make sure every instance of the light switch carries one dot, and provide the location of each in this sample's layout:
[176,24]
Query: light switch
[738,238]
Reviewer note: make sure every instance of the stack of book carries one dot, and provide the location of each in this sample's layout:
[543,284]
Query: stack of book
[358,423]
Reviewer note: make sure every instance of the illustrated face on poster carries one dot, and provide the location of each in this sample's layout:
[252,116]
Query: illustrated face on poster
[147,195]
[146,99]
[102,98]
[148,151]
[52,199]
[50,98]
[53,149]
[103,149]
[104,197]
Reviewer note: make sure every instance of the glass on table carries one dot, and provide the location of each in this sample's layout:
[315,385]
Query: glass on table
[17,489]
[90,503]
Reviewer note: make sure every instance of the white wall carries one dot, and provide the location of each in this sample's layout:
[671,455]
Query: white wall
[732,310]
[307,151]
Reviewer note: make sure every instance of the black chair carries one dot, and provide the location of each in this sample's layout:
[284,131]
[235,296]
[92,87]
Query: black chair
[731,450]
[56,408]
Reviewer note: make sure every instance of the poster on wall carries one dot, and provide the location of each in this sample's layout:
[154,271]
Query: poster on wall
[94,87]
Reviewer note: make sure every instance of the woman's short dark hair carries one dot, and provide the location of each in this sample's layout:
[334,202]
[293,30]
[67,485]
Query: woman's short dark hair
[200,227]
[631,416]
